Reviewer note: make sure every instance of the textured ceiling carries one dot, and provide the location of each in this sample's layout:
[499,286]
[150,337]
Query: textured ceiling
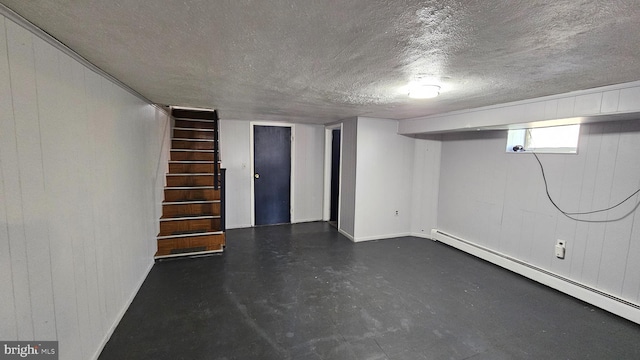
[324,60]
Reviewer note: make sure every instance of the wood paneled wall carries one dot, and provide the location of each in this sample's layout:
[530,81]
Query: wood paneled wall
[80,191]
[498,200]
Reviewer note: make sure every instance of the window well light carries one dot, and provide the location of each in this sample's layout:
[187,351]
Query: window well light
[423,91]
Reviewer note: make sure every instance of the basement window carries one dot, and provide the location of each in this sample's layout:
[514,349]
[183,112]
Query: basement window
[550,140]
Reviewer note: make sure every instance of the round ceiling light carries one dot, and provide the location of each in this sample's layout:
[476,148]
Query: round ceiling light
[423,91]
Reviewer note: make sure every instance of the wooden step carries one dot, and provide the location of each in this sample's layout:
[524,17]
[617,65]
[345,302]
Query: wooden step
[206,115]
[180,180]
[192,144]
[182,155]
[183,167]
[190,245]
[194,124]
[190,208]
[187,225]
[191,193]
[193,134]
[194,129]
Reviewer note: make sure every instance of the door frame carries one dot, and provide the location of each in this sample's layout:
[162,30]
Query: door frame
[328,136]
[253,169]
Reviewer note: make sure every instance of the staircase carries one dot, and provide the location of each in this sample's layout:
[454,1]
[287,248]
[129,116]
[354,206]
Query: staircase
[192,221]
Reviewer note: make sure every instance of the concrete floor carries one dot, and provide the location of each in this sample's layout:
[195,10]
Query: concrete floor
[306,292]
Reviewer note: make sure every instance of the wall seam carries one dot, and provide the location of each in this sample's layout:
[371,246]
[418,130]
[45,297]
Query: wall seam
[4,28]
[15,135]
[44,182]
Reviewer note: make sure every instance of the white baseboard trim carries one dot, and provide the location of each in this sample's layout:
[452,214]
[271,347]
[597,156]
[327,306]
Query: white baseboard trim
[349,236]
[601,299]
[299,221]
[238,226]
[380,237]
[118,318]
[423,235]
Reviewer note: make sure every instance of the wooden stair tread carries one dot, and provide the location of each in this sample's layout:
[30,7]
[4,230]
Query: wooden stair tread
[189,174]
[184,201]
[189,187]
[192,129]
[181,118]
[192,162]
[194,139]
[195,150]
[194,114]
[189,252]
[185,216]
[194,217]
[190,244]
[190,201]
[193,233]
[192,174]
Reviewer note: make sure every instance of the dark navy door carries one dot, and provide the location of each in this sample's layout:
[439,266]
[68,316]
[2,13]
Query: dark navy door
[272,178]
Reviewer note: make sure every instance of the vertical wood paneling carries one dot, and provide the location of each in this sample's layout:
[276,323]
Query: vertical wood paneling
[610,101]
[631,285]
[47,77]
[603,255]
[569,200]
[8,326]
[97,125]
[113,254]
[545,214]
[601,197]
[77,178]
[23,85]
[13,206]
[495,197]
[617,234]
[56,150]
[76,120]
[514,218]
[103,137]
[591,151]
[543,241]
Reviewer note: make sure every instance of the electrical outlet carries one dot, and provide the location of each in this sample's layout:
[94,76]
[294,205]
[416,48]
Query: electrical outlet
[396,212]
[561,248]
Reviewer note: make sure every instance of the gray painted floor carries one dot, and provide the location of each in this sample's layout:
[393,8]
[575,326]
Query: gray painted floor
[305,292]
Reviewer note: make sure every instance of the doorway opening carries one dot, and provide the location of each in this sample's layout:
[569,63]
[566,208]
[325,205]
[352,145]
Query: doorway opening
[333,143]
[335,177]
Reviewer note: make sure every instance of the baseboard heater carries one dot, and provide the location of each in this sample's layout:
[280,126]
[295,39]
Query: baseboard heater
[611,303]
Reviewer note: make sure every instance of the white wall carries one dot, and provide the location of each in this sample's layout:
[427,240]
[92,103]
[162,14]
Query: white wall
[80,186]
[308,171]
[424,194]
[384,178]
[308,147]
[497,200]
[235,153]
[348,146]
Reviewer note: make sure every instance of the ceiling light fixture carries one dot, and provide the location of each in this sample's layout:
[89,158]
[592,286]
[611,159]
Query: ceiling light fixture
[423,91]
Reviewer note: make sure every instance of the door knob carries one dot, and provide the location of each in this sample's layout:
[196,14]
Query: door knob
[257,176]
